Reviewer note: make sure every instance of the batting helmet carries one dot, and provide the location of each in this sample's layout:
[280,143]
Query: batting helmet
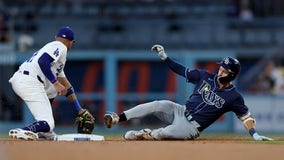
[233,66]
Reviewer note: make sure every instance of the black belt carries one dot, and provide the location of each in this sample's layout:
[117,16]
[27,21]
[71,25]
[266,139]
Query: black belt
[188,116]
[38,78]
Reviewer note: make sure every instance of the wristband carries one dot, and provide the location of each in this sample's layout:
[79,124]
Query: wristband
[69,91]
[252,131]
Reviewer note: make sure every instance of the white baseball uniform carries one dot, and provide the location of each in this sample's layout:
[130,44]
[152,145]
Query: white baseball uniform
[33,87]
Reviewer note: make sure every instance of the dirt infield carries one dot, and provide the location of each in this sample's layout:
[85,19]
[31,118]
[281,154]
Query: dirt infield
[119,149]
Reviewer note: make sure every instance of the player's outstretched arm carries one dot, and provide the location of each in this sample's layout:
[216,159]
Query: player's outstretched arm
[174,66]
[249,124]
[59,88]
[70,94]
[85,119]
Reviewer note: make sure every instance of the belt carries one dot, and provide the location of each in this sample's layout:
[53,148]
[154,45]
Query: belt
[28,73]
[188,116]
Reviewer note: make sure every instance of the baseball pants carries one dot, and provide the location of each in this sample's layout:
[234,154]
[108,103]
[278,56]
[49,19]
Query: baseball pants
[179,127]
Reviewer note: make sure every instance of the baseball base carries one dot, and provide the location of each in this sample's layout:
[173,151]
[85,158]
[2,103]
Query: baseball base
[79,137]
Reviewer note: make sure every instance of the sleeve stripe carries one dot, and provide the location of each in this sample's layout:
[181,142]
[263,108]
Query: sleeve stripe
[245,116]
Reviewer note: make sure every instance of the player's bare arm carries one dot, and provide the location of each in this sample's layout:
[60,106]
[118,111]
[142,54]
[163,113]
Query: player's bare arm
[59,88]
[249,124]
[65,83]
[69,91]
[71,96]
[84,119]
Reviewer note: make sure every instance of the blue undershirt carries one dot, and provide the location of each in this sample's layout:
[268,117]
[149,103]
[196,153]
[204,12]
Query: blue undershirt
[44,64]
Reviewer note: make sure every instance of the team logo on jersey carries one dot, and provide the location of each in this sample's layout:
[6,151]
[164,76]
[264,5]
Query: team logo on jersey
[209,97]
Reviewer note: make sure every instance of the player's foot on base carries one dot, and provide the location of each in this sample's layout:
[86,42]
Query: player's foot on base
[111,119]
[144,134]
[22,134]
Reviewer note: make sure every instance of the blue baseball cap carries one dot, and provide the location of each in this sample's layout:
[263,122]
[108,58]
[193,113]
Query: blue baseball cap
[66,32]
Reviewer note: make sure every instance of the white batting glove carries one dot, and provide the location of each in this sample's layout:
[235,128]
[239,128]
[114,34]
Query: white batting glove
[160,51]
[258,137]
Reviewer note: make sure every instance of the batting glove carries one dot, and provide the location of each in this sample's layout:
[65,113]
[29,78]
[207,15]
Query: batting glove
[258,137]
[160,51]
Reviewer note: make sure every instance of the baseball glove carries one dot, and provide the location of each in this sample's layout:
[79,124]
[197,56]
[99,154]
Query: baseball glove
[85,122]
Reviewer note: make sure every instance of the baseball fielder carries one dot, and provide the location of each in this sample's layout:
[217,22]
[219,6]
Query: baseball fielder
[213,95]
[39,80]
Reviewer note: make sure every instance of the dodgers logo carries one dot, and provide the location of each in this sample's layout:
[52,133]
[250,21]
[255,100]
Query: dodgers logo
[209,97]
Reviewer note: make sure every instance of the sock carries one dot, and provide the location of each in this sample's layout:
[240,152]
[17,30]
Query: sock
[38,126]
[122,117]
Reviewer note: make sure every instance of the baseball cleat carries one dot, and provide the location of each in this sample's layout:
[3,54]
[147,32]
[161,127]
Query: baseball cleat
[22,134]
[111,119]
[144,134]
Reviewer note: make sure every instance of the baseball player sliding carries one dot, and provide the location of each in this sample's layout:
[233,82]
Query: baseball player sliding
[39,80]
[213,95]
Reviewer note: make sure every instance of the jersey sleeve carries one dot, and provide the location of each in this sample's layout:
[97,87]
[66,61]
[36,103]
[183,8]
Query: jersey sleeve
[176,67]
[194,75]
[240,109]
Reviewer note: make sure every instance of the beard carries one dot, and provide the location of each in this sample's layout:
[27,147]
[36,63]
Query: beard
[224,80]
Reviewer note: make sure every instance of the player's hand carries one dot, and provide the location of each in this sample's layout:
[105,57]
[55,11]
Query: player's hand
[60,88]
[258,137]
[159,49]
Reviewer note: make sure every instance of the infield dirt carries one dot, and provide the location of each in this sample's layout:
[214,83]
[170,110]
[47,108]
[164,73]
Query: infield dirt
[119,149]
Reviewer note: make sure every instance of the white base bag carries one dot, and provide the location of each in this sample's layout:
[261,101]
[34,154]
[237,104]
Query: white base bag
[79,137]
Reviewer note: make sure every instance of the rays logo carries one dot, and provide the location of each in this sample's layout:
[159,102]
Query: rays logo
[209,97]
[226,60]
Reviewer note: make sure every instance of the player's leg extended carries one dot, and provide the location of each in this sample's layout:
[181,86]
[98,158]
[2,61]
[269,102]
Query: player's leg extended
[181,128]
[163,109]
